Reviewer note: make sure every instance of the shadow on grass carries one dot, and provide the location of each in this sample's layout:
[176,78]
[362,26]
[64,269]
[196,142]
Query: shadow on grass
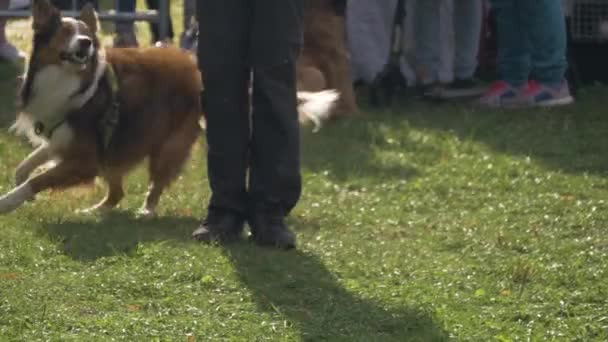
[572,139]
[298,287]
[118,233]
[295,285]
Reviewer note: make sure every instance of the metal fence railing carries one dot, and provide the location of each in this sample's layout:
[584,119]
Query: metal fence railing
[588,20]
[160,16]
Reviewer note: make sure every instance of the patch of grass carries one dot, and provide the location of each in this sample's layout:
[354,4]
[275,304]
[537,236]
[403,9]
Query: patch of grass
[425,222]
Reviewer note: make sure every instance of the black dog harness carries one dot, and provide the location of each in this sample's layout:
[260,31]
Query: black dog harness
[108,121]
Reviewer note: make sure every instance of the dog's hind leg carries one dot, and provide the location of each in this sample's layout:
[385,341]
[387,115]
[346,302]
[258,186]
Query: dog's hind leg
[40,156]
[114,196]
[167,163]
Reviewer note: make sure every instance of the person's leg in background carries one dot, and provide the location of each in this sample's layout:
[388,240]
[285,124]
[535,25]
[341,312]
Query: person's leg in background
[274,179]
[154,28]
[125,31]
[82,3]
[514,59]
[66,5]
[189,12]
[467,28]
[223,57]
[445,70]
[409,45]
[547,31]
[368,29]
[8,51]
[467,21]
[427,36]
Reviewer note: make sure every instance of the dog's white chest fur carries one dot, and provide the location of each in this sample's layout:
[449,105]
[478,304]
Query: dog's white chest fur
[52,89]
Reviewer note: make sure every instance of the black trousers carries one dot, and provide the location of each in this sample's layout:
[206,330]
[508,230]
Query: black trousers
[153,4]
[255,138]
[130,6]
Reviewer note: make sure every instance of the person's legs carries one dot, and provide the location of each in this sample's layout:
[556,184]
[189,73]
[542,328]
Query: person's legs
[547,30]
[467,27]
[223,56]
[514,60]
[125,31]
[7,50]
[274,179]
[3,5]
[445,70]
[82,3]
[66,5]
[127,5]
[189,12]
[467,19]
[427,36]
[154,28]
[368,26]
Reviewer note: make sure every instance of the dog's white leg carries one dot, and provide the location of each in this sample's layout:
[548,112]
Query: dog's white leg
[16,198]
[29,164]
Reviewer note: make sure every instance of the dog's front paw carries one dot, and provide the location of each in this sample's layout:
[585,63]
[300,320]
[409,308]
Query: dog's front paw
[146,213]
[16,198]
[98,209]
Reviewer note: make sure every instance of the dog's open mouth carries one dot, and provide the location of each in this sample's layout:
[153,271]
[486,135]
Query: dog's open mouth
[81,57]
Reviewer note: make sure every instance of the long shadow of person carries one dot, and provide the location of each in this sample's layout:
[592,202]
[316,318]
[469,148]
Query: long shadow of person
[299,288]
[294,285]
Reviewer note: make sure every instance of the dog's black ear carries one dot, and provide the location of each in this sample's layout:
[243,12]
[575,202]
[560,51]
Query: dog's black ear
[46,16]
[89,16]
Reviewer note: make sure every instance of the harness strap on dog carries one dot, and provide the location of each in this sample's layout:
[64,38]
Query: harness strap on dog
[40,128]
[108,121]
[110,118]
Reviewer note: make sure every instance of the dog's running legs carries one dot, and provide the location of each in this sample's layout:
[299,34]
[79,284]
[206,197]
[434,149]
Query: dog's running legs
[65,174]
[114,196]
[166,165]
[40,156]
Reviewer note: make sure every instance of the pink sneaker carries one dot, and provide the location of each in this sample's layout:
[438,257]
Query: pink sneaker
[502,94]
[537,94]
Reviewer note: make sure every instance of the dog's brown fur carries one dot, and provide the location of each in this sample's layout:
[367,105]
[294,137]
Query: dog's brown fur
[325,61]
[160,106]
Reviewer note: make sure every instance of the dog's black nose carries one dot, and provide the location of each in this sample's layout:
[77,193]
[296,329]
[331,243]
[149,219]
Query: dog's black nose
[84,43]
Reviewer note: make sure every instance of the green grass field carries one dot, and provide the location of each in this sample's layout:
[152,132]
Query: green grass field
[427,222]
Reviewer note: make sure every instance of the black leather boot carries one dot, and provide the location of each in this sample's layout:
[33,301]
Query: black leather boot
[269,230]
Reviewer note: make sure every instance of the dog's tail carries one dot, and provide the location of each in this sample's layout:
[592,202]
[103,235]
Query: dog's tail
[316,107]
[313,107]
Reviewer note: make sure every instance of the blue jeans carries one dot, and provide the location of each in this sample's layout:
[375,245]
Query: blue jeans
[531,41]
[467,18]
